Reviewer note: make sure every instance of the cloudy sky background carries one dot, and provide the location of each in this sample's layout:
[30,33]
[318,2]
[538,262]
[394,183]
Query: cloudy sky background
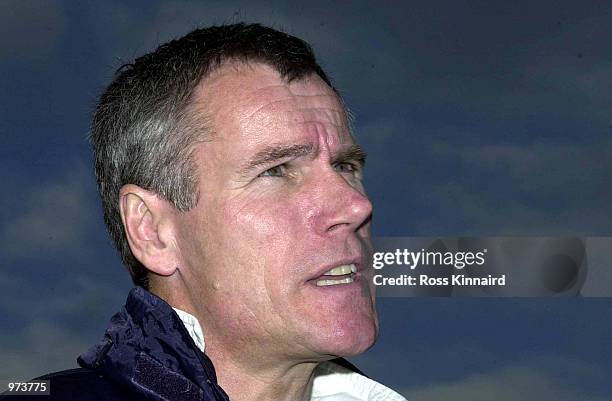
[480,118]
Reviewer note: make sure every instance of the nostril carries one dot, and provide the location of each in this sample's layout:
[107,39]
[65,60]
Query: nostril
[335,226]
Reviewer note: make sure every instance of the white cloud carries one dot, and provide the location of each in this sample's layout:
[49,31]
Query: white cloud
[42,347]
[544,187]
[543,164]
[53,217]
[513,383]
[508,188]
[52,327]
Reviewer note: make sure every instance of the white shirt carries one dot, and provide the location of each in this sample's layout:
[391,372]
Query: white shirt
[332,382]
[193,328]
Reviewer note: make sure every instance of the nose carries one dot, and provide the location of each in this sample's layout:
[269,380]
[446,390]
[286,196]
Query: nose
[344,206]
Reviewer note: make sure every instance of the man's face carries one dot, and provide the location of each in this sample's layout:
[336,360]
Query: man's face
[281,203]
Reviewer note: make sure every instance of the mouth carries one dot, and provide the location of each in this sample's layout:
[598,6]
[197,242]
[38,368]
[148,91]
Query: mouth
[339,275]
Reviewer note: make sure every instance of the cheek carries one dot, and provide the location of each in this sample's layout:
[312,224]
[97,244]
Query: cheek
[273,238]
[267,221]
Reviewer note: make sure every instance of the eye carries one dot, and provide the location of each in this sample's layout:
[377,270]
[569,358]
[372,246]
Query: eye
[276,171]
[347,167]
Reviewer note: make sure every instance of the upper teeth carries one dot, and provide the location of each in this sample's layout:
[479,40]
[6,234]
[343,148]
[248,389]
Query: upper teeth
[341,270]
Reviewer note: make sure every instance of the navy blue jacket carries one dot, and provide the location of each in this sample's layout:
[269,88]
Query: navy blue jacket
[146,354]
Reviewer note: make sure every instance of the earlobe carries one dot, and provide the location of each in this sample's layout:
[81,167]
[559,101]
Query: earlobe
[148,228]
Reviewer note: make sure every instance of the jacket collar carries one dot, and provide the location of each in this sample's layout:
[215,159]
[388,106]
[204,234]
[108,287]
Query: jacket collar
[147,347]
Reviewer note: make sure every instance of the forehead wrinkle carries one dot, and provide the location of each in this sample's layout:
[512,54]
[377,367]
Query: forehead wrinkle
[333,119]
[288,90]
[296,103]
[324,115]
[329,144]
[329,133]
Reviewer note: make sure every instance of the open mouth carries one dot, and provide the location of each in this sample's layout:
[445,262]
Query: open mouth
[339,275]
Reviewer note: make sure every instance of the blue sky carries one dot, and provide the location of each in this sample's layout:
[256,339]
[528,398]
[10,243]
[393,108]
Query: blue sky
[480,118]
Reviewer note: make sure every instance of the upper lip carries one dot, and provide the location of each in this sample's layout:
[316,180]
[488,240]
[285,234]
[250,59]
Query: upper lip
[348,261]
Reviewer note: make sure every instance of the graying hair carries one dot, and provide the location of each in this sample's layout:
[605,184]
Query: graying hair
[143,132]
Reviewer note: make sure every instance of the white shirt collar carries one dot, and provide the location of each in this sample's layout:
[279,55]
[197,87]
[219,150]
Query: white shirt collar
[193,328]
[332,382]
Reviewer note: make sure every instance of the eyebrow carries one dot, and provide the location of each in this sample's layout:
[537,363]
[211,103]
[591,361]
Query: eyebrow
[353,153]
[271,154]
[274,153]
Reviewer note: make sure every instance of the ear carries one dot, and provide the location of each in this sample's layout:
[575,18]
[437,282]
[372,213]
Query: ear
[149,227]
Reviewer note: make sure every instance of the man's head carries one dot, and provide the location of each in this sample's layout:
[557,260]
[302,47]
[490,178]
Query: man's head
[246,185]
[142,131]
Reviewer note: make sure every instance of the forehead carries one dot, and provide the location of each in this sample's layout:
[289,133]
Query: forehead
[252,100]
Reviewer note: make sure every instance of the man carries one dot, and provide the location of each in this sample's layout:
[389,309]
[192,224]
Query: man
[231,185]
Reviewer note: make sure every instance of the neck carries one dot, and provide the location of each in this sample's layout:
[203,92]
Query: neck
[265,381]
[240,373]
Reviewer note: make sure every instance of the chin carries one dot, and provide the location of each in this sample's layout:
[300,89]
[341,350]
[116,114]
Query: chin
[347,341]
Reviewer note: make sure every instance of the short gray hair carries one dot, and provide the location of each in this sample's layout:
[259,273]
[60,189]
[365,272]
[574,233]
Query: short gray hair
[142,131]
